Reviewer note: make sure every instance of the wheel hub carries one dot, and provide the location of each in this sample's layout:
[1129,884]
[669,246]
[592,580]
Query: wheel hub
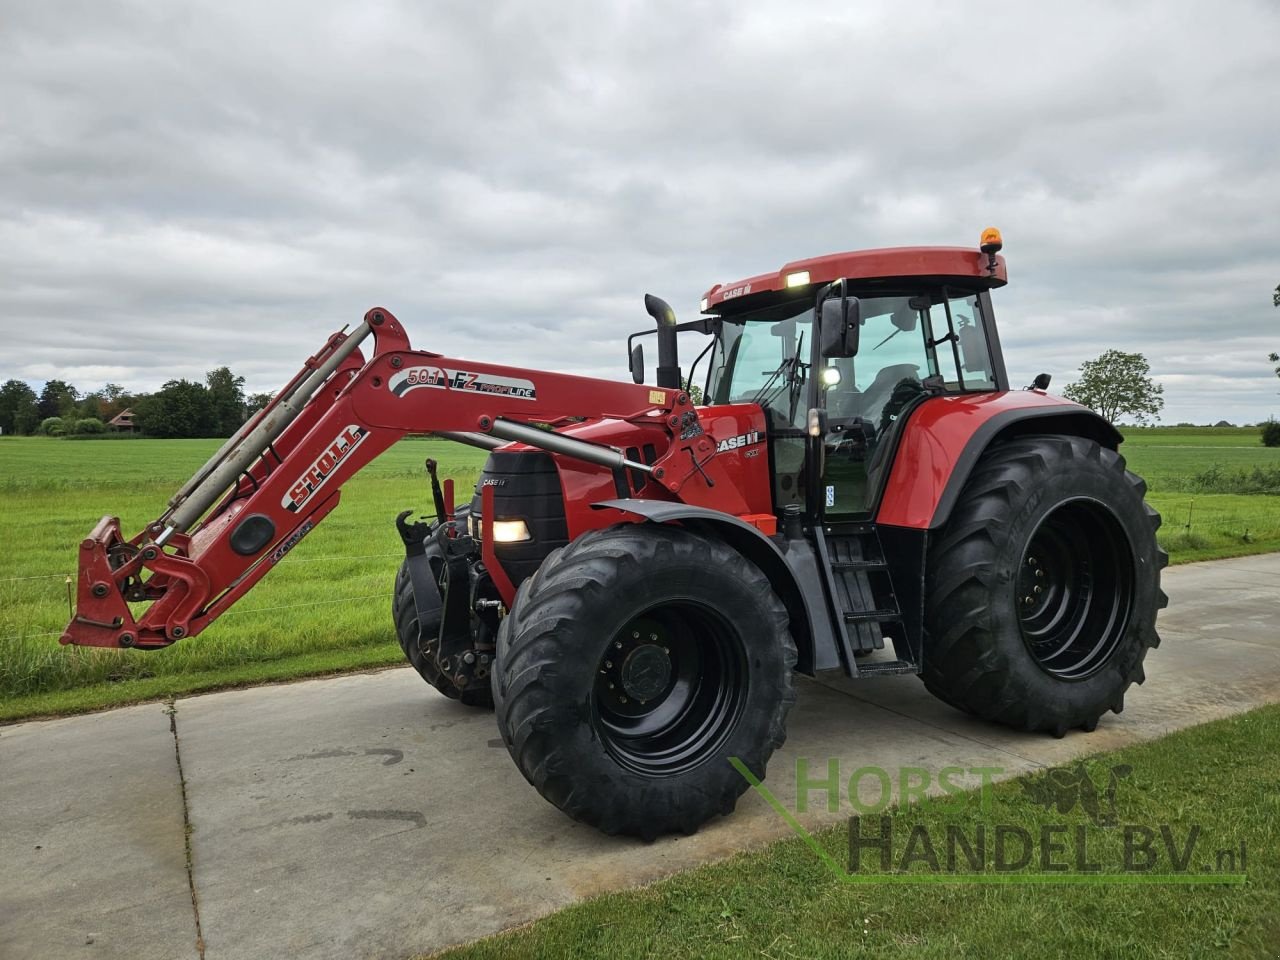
[669,687]
[1074,589]
[646,671]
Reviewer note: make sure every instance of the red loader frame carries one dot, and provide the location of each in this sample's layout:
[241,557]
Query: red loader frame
[282,473]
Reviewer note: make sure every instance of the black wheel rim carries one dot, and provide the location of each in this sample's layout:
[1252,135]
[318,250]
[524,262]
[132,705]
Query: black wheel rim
[1074,589]
[669,688]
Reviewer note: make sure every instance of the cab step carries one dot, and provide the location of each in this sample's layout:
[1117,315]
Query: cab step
[884,668]
[872,616]
[863,602]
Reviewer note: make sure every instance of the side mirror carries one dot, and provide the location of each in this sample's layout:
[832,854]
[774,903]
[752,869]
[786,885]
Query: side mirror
[841,322]
[637,363]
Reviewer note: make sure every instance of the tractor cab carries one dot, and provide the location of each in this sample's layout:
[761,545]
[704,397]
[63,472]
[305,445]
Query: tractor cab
[838,349]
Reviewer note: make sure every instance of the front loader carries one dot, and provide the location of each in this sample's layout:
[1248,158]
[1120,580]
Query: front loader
[637,578]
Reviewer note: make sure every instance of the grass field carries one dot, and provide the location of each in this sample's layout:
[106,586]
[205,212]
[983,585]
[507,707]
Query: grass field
[326,607]
[782,901]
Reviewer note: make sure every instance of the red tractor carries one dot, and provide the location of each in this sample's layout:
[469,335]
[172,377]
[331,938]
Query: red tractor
[637,578]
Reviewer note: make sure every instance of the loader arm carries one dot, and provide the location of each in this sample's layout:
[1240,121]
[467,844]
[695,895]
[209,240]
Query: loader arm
[282,473]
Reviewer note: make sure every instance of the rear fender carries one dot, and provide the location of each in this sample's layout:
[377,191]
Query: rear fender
[946,436]
[804,607]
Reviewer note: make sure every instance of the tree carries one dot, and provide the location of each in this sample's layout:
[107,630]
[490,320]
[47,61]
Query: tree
[1275,301]
[1271,433]
[180,409]
[226,394]
[103,404]
[18,410]
[258,401]
[57,399]
[1118,384]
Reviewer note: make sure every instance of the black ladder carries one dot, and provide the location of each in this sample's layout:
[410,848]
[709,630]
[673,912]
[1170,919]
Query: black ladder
[863,600]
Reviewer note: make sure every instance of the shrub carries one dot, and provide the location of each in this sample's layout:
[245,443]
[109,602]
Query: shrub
[89,425]
[1271,433]
[53,426]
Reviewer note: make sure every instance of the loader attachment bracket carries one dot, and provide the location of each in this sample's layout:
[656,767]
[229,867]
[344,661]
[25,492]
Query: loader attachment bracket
[426,590]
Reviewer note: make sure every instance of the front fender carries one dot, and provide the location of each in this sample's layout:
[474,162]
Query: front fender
[945,436]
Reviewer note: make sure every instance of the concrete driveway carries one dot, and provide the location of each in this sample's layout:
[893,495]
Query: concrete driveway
[366,816]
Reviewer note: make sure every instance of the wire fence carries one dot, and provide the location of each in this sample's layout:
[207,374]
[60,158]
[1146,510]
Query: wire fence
[230,613]
[286,562]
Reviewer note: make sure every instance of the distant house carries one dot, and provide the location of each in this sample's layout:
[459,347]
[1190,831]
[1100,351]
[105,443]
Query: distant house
[122,421]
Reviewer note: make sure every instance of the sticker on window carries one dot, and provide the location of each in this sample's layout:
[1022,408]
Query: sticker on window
[831,496]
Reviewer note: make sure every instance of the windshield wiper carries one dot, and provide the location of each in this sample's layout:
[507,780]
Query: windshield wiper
[758,398]
[887,339]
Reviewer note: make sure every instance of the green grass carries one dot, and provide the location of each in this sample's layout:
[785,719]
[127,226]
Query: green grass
[325,607]
[783,901]
[1201,523]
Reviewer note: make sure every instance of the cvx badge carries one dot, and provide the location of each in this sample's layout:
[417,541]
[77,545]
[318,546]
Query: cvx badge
[322,468]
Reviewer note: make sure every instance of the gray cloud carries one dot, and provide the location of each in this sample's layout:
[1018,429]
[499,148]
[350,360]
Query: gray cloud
[191,185]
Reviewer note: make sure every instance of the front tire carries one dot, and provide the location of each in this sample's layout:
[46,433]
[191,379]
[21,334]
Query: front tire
[1043,587]
[421,653]
[635,662]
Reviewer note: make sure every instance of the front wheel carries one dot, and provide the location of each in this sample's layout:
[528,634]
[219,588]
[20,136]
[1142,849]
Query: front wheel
[1043,587]
[420,646]
[635,662]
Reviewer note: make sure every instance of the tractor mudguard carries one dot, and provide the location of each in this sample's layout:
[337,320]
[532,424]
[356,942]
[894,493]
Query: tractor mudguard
[944,437]
[810,625]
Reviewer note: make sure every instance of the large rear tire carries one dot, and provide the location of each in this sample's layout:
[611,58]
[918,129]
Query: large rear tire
[421,655]
[1043,587]
[635,662]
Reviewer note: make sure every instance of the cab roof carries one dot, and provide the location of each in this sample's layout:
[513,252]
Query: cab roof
[957,264]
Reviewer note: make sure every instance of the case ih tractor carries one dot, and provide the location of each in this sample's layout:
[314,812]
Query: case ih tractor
[637,578]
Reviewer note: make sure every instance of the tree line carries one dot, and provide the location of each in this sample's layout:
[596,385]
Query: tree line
[180,408]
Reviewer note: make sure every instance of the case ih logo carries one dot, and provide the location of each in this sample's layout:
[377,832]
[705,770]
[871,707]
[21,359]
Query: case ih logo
[442,379]
[741,440]
[741,291]
[315,476]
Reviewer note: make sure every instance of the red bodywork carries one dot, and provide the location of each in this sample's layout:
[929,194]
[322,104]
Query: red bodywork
[746,492]
[933,442]
[360,411]
[879,264]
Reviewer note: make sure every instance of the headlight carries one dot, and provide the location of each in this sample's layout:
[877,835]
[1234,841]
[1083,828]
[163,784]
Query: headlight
[510,531]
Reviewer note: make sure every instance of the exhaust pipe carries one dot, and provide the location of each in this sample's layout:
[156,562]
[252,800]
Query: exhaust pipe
[668,374]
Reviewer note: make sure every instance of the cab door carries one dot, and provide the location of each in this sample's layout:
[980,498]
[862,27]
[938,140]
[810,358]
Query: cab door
[863,396]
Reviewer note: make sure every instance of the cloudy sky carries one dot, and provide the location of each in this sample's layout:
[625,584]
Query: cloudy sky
[185,185]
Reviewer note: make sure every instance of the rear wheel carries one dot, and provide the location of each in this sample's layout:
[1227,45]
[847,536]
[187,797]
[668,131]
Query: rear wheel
[634,664]
[1043,587]
[422,653]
